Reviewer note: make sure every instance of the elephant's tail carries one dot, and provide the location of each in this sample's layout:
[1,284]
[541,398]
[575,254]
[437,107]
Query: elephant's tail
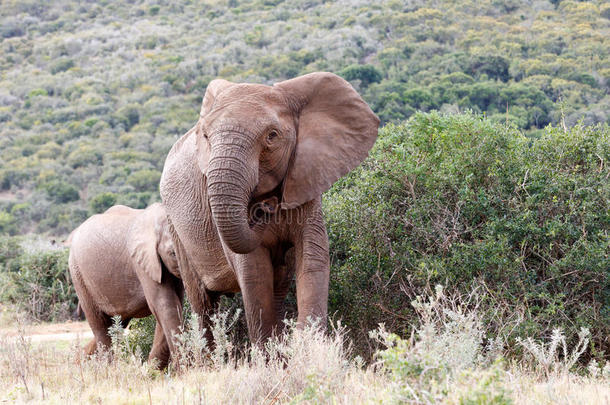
[78,313]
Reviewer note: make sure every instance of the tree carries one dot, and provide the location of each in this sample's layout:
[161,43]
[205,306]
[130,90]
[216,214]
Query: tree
[145,180]
[102,202]
[7,223]
[494,66]
[60,191]
[128,116]
[418,98]
[367,74]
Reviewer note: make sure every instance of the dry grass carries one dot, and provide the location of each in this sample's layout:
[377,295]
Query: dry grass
[306,365]
[443,362]
[559,390]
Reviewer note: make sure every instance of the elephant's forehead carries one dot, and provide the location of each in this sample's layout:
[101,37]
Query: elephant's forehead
[247,104]
[257,96]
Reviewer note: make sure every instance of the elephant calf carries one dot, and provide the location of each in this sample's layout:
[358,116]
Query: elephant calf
[122,262]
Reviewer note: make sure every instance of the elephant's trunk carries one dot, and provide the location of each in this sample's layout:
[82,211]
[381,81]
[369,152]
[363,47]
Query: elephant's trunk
[230,183]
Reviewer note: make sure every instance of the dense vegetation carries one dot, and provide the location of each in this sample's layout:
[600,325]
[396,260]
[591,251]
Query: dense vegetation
[472,205]
[34,279]
[443,199]
[93,94]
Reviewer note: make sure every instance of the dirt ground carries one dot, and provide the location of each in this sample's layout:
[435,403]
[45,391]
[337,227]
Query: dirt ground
[53,331]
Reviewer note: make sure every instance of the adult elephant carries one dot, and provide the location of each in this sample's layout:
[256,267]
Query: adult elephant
[122,262]
[243,188]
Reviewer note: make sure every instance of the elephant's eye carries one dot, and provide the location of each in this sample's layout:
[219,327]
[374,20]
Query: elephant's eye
[272,135]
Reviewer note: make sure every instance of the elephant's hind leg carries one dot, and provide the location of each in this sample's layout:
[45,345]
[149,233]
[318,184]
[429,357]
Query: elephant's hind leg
[98,321]
[91,347]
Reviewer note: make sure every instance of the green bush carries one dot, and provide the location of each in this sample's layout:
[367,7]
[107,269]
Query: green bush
[460,201]
[141,334]
[135,200]
[84,156]
[61,65]
[7,223]
[145,180]
[11,29]
[128,116]
[12,177]
[10,249]
[102,202]
[367,74]
[37,282]
[60,191]
[495,67]
[62,219]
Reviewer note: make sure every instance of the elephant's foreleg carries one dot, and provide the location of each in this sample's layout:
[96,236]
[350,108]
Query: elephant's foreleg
[211,306]
[312,271]
[201,302]
[160,349]
[166,306]
[255,277]
[281,285]
[280,290]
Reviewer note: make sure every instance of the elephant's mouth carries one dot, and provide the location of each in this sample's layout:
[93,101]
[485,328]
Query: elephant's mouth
[260,211]
[262,208]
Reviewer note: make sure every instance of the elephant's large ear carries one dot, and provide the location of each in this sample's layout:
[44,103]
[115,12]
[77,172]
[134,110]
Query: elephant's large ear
[144,240]
[336,130]
[215,87]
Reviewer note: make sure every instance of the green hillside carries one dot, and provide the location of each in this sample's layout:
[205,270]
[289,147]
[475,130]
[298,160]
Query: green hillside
[93,94]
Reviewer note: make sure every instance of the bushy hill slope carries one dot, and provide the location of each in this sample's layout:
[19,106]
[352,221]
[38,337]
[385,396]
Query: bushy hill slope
[93,94]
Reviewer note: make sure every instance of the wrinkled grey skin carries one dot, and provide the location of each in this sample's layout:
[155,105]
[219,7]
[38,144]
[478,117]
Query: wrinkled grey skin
[122,262]
[243,193]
